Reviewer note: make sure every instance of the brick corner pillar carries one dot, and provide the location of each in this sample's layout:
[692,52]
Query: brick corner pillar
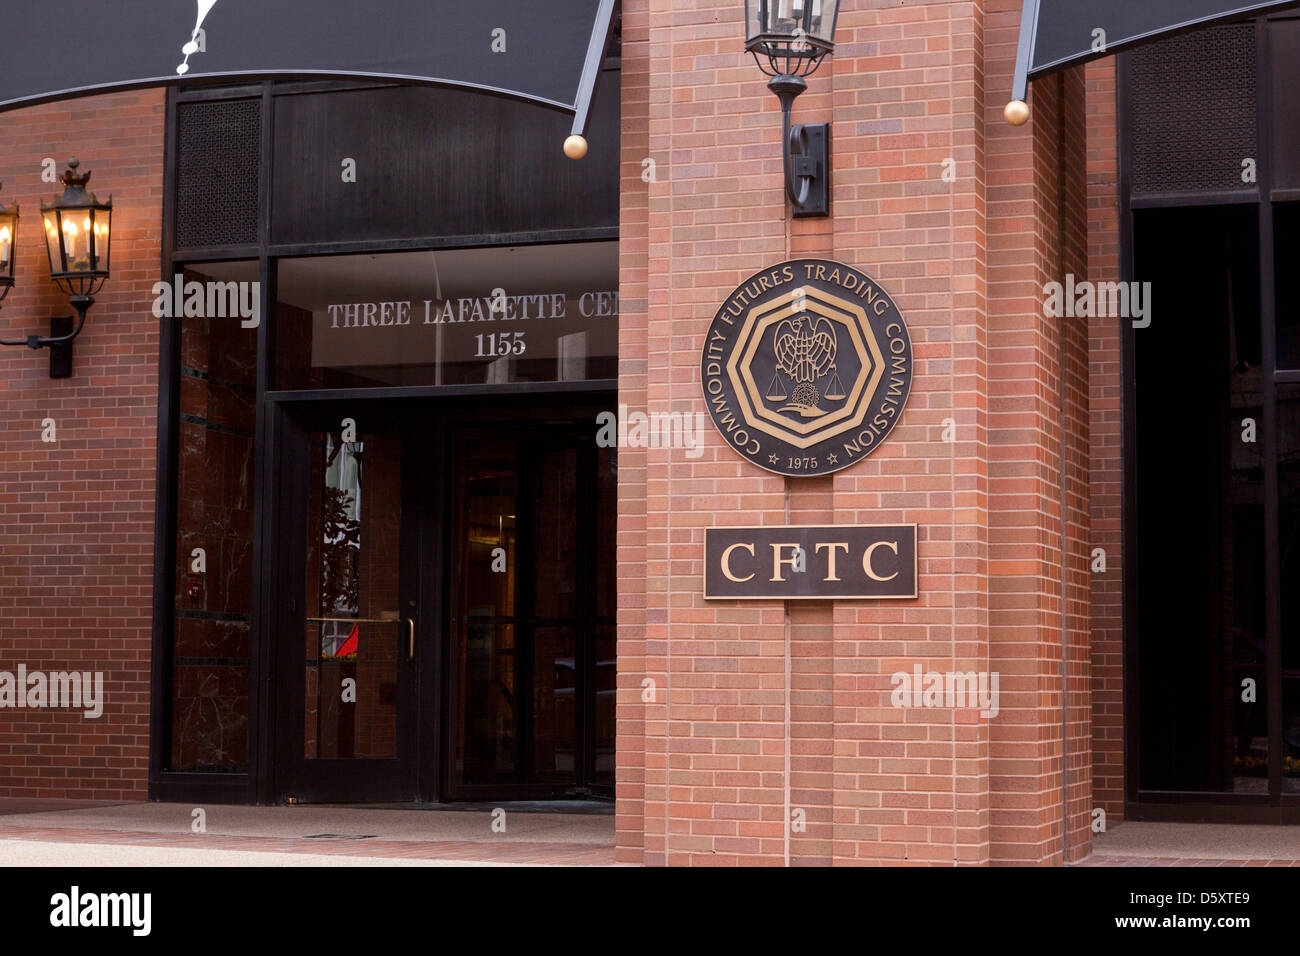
[632,742]
[1038,466]
[737,719]
[1105,385]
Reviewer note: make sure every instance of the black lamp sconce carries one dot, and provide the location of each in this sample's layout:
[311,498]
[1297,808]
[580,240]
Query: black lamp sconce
[78,234]
[788,39]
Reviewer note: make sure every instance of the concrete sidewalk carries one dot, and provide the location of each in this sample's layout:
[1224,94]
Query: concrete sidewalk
[1140,843]
[82,833]
[68,833]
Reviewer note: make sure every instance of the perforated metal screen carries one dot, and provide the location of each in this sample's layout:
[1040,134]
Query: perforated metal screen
[1194,111]
[218,151]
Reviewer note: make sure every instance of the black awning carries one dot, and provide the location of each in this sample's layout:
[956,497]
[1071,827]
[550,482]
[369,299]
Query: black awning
[1056,34]
[549,52]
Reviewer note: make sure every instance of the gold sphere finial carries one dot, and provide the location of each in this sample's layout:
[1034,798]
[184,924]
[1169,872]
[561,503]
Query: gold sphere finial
[575,147]
[1017,112]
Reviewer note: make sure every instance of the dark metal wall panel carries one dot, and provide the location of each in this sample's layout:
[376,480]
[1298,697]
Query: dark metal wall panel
[1284,58]
[437,163]
[1194,103]
[218,148]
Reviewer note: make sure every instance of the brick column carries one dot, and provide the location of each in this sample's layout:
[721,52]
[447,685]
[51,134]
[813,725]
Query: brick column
[1037,462]
[1107,466]
[631,740]
[911,784]
[762,708]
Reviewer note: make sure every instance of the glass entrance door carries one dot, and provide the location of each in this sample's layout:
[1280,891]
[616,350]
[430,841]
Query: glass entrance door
[444,621]
[531,680]
[348,638]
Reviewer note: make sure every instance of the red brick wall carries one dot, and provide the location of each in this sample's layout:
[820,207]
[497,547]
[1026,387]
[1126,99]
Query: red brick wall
[759,709]
[76,516]
[1107,465]
[1037,464]
[636,752]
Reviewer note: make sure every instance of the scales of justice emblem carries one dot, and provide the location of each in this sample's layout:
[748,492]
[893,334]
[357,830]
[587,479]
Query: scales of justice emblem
[806,367]
[805,348]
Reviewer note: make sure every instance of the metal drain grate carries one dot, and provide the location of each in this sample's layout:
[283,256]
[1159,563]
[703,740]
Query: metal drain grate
[339,836]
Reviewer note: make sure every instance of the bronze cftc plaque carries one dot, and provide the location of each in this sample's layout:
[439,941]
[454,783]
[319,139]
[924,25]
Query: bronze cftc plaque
[806,367]
[810,562]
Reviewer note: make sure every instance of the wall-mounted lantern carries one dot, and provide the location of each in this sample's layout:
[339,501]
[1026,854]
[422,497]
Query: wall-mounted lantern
[8,236]
[78,234]
[788,39]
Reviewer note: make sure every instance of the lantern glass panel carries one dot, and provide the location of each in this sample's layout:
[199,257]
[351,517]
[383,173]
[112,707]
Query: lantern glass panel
[100,238]
[50,223]
[821,22]
[76,226]
[783,17]
[78,239]
[777,20]
[8,234]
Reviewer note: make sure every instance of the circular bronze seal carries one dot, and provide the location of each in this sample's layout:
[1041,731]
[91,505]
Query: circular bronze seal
[806,367]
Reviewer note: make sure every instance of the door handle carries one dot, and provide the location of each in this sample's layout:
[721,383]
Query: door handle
[354,620]
[410,628]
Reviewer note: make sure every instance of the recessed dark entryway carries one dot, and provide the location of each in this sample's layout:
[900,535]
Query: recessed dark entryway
[317,656]
[444,625]
[1212,667]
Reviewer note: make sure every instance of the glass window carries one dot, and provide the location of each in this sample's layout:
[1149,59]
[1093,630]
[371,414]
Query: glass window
[214,521]
[1286,249]
[1200,504]
[455,317]
[353,624]
[1288,406]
